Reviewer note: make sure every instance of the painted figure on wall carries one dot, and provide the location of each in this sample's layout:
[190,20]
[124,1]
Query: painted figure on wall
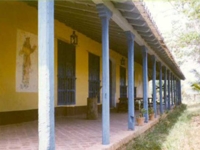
[26,51]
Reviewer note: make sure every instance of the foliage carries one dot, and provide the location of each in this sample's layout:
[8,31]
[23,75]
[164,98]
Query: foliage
[184,41]
[151,111]
[184,38]
[142,112]
[191,8]
[159,137]
[196,86]
[158,85]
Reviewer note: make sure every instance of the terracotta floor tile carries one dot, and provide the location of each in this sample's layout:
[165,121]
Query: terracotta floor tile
[70,133]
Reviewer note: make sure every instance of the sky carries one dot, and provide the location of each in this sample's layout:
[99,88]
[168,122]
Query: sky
[164,14]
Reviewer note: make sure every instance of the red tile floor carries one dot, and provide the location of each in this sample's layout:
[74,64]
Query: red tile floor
[71,133]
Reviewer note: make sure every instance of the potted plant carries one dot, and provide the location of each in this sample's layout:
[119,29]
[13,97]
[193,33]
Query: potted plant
[140,118]
[151,113]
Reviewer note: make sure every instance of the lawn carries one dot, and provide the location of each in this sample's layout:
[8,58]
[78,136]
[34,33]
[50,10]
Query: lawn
[180,130]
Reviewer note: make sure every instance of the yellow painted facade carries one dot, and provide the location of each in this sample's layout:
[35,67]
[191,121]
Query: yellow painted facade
[18,15]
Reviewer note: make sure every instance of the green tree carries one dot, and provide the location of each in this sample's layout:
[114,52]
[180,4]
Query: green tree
[184,39]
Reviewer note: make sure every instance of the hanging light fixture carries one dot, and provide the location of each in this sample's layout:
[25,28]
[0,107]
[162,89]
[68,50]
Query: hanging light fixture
[74,38]
[122,61]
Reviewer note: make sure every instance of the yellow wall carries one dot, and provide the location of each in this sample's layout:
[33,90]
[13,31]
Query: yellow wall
[18,15]
[14,16]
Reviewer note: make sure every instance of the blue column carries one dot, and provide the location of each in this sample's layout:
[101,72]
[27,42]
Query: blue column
[145,82]
[154,85]
[165,87]
[160,89]
[46,119]
[172,98]
[175,91]
[178,99]
[131,113]
[180,92]
[105,15]
[169,90]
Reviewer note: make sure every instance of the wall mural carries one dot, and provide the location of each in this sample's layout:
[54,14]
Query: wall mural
[27,62]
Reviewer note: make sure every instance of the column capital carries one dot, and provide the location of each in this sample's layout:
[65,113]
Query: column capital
[103,11]
[130,36]
[144,49]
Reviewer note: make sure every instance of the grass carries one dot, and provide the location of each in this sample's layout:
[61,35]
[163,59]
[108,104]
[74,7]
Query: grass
[180,130]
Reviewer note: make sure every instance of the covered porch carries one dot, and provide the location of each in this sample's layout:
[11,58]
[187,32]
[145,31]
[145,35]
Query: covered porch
[72,133]
[111,30]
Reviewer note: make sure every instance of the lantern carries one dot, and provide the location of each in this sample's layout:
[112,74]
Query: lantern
[74,38]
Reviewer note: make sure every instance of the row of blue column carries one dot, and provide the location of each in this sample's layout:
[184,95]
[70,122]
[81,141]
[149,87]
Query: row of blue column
[105,15]
[46,74]
[171,88]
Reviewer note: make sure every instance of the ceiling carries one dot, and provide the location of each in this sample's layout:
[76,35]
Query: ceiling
[82,16]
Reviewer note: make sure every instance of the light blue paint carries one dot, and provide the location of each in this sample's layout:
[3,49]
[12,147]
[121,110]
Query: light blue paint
[180,96]
[179,83]
[145,82]
[169,91]
[131,113]
[46,75]
[160,91]
[154,85]
[165,87]
[105,15]
[178,91]
[172,89]
[175,91]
